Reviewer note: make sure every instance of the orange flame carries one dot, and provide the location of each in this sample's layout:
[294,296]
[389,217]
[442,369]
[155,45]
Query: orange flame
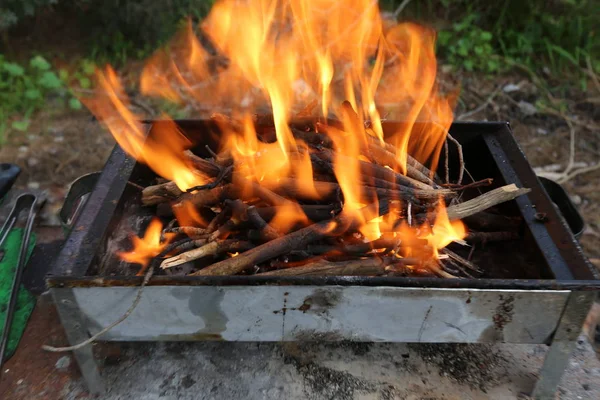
[443,232]
[187,215]
[146,247]
[280,56]
[162,151]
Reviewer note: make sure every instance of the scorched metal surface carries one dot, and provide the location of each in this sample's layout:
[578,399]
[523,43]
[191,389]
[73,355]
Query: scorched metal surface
[547,306]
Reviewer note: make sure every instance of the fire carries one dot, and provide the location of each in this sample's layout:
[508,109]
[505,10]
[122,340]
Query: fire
[275,56]
[165,157]
[187,215]
[146,247]
[443,232]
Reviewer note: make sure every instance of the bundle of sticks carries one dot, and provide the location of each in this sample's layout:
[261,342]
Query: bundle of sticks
[240,239]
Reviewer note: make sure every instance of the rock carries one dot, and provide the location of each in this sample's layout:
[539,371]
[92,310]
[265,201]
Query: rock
[576,199]
[527,108]
[511,87]
[541,131]
[63,363]
[33,185]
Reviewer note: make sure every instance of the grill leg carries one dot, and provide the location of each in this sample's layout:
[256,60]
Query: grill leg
[70,317]
[563,343]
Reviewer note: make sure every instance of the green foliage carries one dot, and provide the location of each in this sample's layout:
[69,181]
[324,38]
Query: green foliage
[468,46]
[26,87]
[120,31]
[557,35]
[11,11]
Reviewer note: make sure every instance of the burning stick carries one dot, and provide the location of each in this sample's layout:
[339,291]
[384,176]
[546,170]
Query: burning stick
[209,249]
[269,232]
[282,245]
[384,155]
[484,237]
[459,260]
[360,267]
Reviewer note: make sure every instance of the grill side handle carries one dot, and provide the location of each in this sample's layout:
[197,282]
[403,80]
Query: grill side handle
[565,205]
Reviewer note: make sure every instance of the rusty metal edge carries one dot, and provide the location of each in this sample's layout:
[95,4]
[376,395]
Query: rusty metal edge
[81,245]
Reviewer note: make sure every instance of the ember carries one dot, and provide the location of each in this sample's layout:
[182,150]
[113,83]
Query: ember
[313,185]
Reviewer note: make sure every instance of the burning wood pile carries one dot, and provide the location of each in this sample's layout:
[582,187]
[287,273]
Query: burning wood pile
[315,187]
[283,228]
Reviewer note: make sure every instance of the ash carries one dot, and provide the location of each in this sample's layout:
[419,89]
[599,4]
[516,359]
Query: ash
[340,371]
[476,365]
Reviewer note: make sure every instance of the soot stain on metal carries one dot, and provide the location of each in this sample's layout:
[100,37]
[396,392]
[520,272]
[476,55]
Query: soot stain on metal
[504,312]
[422,328]
[320,302]
[207,306]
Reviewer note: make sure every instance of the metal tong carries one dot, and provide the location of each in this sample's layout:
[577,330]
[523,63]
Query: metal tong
[25,202]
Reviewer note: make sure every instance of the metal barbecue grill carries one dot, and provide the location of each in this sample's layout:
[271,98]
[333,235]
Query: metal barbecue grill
[536,290]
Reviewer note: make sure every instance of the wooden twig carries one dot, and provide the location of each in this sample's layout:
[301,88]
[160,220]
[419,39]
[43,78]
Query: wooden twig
[209,249]
[434,266]
[268,231]
[224,172]
[190,231]
[210,197]
[446,162]
[284,244]
[382,188]
[483,182]
[313,212]
[485,201]
[484,237]
[162,193]
[136,301]
[461,161]
[361,267]
[369,170]
[354,248]
[459,260]
[487,102]
[383,154]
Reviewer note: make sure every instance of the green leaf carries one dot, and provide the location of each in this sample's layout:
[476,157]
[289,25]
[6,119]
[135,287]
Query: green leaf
[463,51]
[468,65]
[63,74]
[487,36]
[492,65]
[85,83]
[49,80]
[33,94]
[565,54]
[39,62]
[13,69]
[20,125]
[75,104]
[444,37]
[88,67]
[478,50]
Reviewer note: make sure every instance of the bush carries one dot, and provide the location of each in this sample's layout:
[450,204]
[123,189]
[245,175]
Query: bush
[12,11]
[24,88]
[113,30]
[558,34]
[119,30]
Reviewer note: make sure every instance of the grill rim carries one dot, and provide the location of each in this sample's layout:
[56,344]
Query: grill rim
[555,241]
